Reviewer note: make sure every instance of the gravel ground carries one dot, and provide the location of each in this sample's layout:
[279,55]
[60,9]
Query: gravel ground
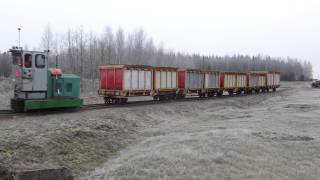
[5,93]
[267,136]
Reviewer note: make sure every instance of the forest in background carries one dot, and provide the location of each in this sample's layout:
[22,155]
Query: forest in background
[81,52]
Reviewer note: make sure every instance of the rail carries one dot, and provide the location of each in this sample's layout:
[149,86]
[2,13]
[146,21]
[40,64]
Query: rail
[5,114]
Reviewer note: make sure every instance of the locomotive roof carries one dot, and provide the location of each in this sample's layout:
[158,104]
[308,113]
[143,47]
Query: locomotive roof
[20,50]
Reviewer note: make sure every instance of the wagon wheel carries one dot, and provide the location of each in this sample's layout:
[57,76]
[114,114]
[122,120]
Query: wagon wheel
[220,93]
[155,98]
[174,96]
[161,98]
[124,100]
[107,100]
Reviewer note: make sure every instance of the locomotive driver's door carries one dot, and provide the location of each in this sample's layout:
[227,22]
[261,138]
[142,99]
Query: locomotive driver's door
[40,72]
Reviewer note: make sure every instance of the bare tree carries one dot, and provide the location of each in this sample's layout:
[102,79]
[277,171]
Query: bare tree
[47,38]
[82,53]
[120,40]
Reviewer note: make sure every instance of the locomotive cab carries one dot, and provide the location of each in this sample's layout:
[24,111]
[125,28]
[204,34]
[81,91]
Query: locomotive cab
[37,87]
[30,69]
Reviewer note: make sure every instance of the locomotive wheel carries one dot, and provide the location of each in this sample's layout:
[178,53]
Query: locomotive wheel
[17,105]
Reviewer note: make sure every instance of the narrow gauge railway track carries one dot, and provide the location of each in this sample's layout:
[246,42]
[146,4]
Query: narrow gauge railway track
[7,114]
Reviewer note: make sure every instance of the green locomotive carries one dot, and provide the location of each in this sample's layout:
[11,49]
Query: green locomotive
[38,87]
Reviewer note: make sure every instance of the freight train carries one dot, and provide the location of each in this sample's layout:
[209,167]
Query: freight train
[118,82]
[36,86]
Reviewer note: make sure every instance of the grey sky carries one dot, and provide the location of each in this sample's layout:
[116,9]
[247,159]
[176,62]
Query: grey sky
[271,27]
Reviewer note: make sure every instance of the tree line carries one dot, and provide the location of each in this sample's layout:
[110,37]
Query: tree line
[81,52]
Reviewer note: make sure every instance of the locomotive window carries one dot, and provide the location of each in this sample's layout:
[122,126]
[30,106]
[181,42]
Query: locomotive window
[17,59]
[40,61]
[69,87]
[27,60]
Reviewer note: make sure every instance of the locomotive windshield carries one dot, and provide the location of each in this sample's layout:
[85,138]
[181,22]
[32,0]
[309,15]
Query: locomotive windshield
[17,59]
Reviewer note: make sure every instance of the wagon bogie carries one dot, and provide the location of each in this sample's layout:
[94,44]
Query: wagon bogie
[165,96]
[115,100]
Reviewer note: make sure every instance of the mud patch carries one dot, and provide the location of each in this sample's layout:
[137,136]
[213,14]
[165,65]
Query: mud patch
[281,137]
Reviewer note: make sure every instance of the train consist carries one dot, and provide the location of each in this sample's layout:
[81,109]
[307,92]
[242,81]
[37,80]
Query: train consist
[118,82]
[36,86]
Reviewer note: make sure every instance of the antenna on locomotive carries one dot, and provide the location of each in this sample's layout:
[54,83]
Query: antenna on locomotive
[19,29]
[57,62]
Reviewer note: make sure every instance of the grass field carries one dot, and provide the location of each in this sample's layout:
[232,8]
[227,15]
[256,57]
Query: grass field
[267,136]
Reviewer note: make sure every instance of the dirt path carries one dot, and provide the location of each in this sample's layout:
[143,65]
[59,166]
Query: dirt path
[270,136]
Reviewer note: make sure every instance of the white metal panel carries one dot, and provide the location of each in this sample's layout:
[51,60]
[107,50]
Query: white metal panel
[187,80]
[169,79]
[218,80]
[253,80]
[230,80]
[158,83]
[163,79]
[270,79]
[244,80]
[212,80]
[234,79]
[192,80]
[262,81]
[206,80]
[215,80]
[148,84]
[174,79]
[276,79]
[201,77]
[141,80]
[197,80]
[127,80]
[134,80]
[226,80]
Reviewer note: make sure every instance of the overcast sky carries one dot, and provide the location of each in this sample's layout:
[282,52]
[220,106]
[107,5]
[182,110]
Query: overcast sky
[271,27]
